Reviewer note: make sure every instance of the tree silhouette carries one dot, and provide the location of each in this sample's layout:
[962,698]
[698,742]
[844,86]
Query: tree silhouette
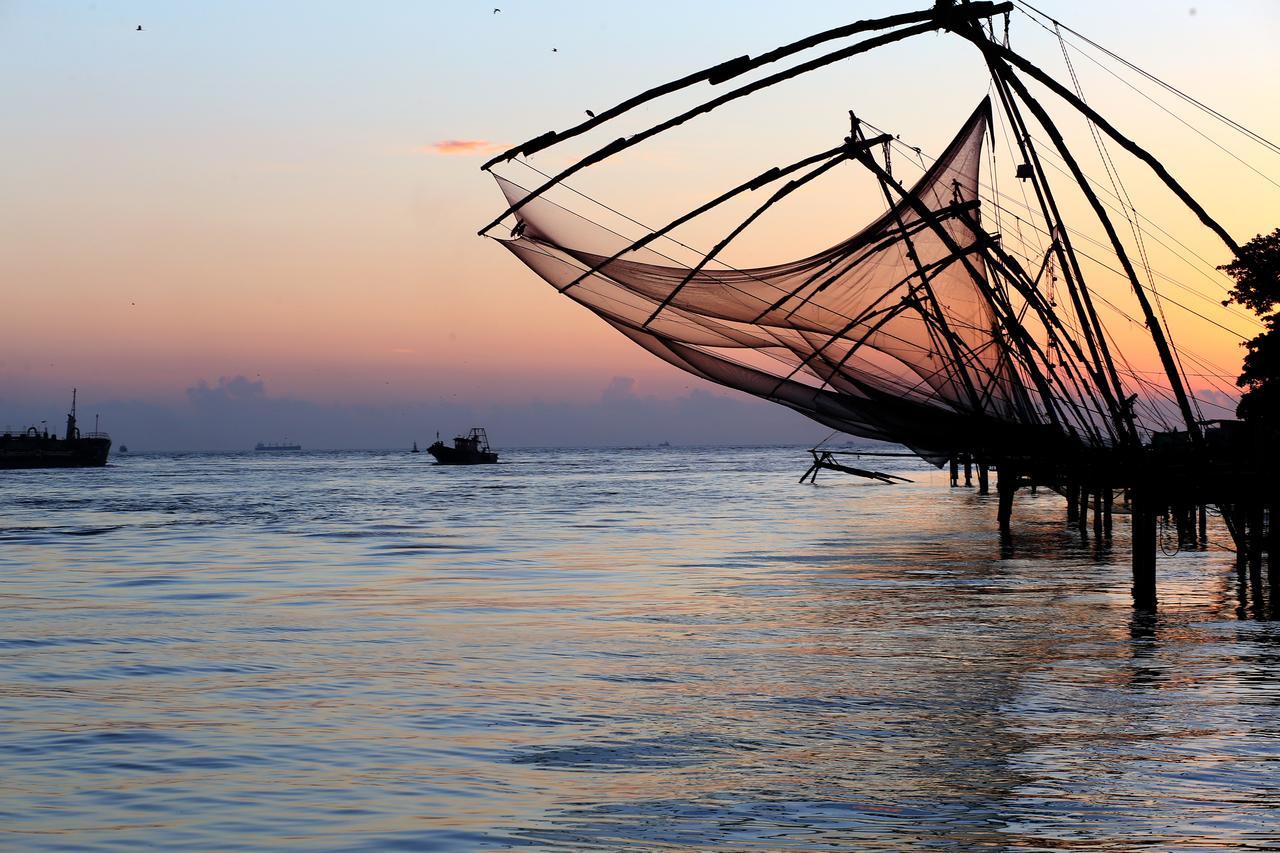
[1256,270]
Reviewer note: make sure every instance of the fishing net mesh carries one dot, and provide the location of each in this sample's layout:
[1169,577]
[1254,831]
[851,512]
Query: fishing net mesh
[887,335]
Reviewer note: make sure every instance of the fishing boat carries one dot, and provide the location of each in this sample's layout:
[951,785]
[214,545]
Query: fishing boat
[37,448]
[470,449]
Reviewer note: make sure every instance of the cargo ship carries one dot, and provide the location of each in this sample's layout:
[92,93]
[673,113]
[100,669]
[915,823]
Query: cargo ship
[37,448]
[269,447]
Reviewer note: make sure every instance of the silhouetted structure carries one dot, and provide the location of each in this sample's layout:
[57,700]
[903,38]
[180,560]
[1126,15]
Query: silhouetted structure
[470,449]
[924,328]
[35,448]
[269,447]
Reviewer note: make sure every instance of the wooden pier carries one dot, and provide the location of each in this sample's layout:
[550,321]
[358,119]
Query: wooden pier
[1173,482]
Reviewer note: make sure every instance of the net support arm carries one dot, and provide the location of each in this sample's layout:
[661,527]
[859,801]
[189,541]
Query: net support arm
[953,19]
[1153,324]
[990,48]
[728,70]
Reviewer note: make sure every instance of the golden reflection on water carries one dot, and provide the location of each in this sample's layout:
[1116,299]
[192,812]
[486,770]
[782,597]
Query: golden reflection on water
[609,649]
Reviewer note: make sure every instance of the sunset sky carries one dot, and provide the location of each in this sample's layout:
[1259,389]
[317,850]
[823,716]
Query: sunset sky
[288,193]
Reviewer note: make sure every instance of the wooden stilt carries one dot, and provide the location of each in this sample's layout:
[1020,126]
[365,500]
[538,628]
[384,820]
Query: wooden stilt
[1254,538]
[968,472]
[1097,514]
[1270,543]
[983,479]
[955,472]
[1108,498]
[1273,541]
[1006,485]
[1241,538]
[1073,502]
[1142,520]
[1204,526]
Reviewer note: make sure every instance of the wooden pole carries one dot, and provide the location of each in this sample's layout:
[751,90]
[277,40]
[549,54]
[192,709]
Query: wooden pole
[955,472]
[1273,542]
[1154,327]
[623,143]
[1104,373]
[989,48]
[1006,485]
[725,71]
[1255,539]
[983,479]
[1142,521]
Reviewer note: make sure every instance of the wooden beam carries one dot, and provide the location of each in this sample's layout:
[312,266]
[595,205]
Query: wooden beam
[1153,323]
[988,47]
[738,66]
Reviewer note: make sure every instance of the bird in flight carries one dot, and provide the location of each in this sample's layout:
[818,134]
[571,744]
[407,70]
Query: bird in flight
[555,50]
[139,28]
[496,11]
[593,115]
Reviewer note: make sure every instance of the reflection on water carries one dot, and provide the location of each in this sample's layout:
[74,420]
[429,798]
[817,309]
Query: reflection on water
[613,649]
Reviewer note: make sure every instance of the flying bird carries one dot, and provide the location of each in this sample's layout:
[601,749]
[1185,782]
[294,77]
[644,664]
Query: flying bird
[593,115]
[139,28]
[496,11]
[555,50]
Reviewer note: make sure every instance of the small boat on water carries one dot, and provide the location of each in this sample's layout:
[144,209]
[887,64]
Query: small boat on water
[469,449]
[34,448]
[415,448]
[269,447]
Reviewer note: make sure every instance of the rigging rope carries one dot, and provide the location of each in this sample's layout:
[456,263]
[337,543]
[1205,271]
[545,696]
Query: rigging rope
[1031,11]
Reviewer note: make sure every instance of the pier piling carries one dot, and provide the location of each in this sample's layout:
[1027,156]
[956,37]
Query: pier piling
[1143,523]
[1006,485]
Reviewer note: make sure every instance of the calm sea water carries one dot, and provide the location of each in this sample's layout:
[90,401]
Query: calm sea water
[642,649]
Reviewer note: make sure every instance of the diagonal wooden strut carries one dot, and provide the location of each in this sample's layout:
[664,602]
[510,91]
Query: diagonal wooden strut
[1153,324]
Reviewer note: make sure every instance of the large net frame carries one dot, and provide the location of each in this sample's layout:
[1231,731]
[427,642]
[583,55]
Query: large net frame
[919,328]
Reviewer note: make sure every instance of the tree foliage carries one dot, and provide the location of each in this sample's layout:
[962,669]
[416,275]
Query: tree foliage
[1256,271]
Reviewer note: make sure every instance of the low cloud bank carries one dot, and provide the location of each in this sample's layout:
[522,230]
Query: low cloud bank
[234,413]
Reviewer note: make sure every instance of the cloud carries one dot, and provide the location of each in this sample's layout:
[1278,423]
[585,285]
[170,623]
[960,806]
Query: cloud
[464,147]
[619,389]
[236,412]
[235,388]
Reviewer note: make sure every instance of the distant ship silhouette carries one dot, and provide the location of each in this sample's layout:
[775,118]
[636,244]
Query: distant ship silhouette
[268,446]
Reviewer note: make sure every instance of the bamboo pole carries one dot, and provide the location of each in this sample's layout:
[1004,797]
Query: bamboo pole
[725,71]
[1153,323]
[988,48]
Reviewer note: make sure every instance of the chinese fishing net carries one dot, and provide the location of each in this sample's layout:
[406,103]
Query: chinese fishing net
[887,335]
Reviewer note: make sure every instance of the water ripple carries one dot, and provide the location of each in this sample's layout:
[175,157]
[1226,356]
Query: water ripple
[643,649]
